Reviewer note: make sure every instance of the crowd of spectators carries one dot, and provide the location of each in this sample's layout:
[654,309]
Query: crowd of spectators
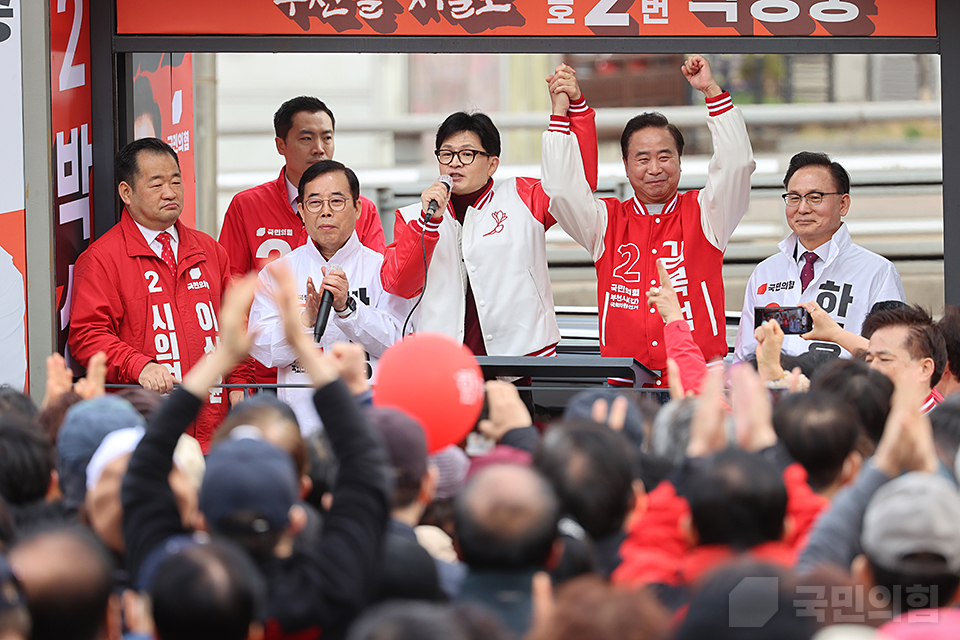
[731,511]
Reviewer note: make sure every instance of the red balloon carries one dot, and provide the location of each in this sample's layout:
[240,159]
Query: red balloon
[435,379]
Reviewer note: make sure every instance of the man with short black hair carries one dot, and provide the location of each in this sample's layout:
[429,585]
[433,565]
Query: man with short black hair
[507,520]
[906,345]
[820,430]
[362,312]
[687,231]
[479,258]
[207,592]
[148,291]
[264,223]
[67,578]
[590,468]
[818,267]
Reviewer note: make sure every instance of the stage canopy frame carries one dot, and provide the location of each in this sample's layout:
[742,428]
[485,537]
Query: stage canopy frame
[121,28]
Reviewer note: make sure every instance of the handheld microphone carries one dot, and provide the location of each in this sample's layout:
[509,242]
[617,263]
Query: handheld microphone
[446,181]
[326,304]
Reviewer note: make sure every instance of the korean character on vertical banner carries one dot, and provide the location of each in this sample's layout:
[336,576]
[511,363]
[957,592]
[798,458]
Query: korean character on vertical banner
[166,345]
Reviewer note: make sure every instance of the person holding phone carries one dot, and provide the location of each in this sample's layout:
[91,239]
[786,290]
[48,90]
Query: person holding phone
[817,263]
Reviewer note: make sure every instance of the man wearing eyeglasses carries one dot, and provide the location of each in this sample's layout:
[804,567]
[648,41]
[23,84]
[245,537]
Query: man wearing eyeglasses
[334,260]
[487,283]
[818,267]
[263,223]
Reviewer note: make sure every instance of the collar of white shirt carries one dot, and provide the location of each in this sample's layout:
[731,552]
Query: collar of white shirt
[292,194]
[822,252]
[151,237]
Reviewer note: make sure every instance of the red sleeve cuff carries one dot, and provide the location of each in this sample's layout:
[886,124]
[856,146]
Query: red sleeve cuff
[429,223]
[720,104]
[578,107]
[559,124]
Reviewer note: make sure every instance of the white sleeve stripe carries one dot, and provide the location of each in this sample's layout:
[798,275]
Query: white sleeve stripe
[429,225]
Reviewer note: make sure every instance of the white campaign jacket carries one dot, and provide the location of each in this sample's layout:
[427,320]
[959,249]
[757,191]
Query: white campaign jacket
[506,259]
[375,325]
[846,285]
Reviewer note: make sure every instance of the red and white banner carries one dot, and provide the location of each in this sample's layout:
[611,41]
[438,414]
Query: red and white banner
[72,148]
[13,317]
[538,18]
[13,269]
[163,108]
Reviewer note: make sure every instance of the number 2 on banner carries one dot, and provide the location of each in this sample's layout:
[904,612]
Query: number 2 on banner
[600,16]
[71,75]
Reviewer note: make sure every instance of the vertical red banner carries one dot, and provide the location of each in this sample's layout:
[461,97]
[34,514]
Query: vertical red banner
[13,315]
[72,148]
[163,108]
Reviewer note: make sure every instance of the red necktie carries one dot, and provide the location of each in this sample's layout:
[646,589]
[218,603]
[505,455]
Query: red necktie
[806,274]
[167,252]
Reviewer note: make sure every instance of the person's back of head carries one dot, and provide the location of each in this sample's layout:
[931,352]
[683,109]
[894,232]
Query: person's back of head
[407,621]
[248,492]
[809,362]
[820,431]
[207,592]
[590,468]
[747,601]
[16,403]
[737,499]
[26,461]
[275,419]
[866,389]
[506,519]
[911,542]
[84,427]
[580,407]
[27,476]
[407,449]
[67,577]
[945,420]
[589,608]
[670,433]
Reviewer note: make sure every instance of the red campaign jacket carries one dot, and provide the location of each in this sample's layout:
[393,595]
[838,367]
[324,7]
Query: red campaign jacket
[127,304]
[627,327]
[259,226]
[655,551]
[682,348]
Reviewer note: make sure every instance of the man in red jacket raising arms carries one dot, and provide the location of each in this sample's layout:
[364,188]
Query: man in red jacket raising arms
[687,231]
[148,291]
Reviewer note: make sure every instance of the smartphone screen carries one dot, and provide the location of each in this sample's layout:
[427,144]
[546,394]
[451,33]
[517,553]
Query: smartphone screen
[793,320]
